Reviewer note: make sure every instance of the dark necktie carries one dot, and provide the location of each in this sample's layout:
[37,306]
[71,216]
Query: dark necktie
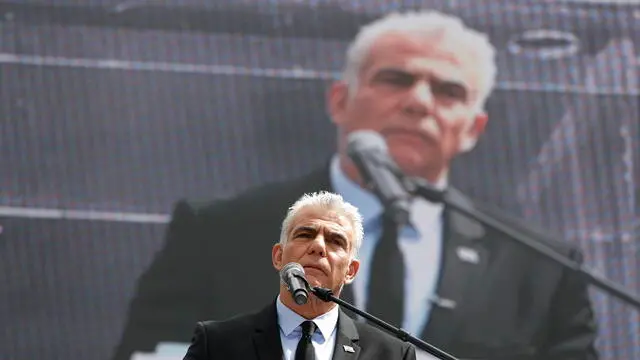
[305,350]
[385,297]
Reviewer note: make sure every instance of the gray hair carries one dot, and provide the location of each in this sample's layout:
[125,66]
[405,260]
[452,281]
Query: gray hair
[423,23]
[327,201]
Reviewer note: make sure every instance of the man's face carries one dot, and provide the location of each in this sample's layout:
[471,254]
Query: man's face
[419,95]
[322,243]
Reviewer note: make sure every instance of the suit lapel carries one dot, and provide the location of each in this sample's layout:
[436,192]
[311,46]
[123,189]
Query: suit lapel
[464,262]
[266,337]
[347,338]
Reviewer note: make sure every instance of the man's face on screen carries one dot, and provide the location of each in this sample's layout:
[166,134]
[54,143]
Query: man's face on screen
[419,94]
[322,243]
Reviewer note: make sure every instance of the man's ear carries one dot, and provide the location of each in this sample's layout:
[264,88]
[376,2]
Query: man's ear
[337,98]
[276,256]
[354,266]
[470,136]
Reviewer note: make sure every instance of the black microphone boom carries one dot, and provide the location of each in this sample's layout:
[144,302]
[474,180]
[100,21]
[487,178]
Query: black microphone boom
[525,235]
[327,296]
[369,153]
[292,275]
[370,150]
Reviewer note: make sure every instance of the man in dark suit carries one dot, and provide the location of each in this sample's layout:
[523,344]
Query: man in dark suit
[420,80]
[322,233]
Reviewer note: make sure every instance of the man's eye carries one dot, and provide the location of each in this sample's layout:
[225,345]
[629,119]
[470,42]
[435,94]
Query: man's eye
[399,80]
[451,91]
[338,241]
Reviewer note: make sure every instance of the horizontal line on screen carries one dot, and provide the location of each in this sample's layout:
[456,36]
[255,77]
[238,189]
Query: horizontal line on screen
[69,214]
[116,216]
[163,67]
[293,73]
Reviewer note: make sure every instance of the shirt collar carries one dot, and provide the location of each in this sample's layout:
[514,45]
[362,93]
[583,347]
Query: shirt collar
[289,320]
[366,202]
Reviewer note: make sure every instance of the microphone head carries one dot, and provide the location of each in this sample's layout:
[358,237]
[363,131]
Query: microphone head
[370,154]
[294,272]
[291,268]
[366,140]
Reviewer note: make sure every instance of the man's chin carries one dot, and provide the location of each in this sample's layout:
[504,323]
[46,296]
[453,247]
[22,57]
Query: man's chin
[315,282]
[414,161]
[411,165]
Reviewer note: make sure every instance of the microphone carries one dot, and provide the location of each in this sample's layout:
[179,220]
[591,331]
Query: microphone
[370,154]
[292,275]
[327,296]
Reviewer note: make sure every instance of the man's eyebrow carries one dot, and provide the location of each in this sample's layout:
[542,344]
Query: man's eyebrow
[450,81]
[339,234]
[392,71]
[304,228]
[409,73]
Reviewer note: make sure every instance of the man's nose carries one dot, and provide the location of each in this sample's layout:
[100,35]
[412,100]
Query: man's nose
[420,99]
[318,245]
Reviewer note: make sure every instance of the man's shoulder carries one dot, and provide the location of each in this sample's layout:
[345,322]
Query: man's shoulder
[264,197]
[234,324]
[381,344]
[545,237]
[231,326]
[372,334]
[526,227]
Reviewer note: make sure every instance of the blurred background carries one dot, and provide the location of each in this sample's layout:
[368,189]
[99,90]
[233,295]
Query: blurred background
[112,110]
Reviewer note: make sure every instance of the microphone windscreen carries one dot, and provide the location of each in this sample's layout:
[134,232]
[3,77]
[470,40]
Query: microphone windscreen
[366,140]
[291,268]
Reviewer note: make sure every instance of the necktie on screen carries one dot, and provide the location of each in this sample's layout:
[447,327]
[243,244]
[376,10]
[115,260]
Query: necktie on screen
[385,297]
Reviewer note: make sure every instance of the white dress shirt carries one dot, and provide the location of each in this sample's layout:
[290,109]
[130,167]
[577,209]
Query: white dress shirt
[323,339]
[420,243]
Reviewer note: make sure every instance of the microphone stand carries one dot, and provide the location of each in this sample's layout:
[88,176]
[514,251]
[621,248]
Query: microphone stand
[525,236]
[327,296]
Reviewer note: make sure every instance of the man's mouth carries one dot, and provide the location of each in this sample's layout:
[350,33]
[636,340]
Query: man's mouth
[314,268]
[410,133]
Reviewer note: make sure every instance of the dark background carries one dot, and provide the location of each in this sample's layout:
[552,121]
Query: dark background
[110,111]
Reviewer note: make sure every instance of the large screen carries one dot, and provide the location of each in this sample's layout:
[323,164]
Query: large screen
[111,111]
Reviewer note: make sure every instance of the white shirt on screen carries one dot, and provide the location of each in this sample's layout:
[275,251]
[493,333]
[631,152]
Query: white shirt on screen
[420,243]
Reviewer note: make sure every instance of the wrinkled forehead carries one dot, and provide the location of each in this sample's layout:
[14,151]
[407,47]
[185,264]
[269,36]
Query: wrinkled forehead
[314,218]
[436,53]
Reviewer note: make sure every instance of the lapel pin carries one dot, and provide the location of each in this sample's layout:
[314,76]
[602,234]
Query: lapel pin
[348,348]
[468,255]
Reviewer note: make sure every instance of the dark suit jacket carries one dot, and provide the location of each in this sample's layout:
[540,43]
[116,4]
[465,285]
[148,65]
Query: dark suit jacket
[215,264]
[256,336]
